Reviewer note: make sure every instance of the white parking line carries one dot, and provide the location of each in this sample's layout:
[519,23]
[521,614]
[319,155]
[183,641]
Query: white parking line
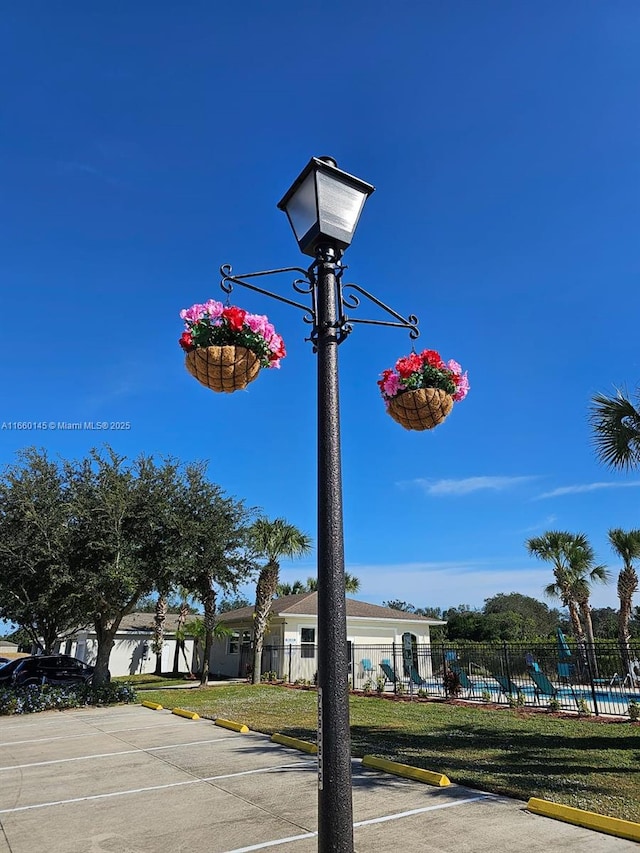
[151,788]
[88,734]
[110,754]
[359,823]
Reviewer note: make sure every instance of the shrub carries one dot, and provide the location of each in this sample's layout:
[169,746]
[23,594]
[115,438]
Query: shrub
[46,697]
[554,705]
[634,710]
[583,708]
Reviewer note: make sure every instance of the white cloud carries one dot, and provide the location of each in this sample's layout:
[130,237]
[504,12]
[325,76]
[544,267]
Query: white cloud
[545,524]
[467,485]
[586,487]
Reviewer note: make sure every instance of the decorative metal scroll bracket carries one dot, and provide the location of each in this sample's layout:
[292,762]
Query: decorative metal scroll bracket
[307,283]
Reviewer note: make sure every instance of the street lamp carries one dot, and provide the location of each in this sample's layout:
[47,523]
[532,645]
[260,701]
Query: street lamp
[323,206]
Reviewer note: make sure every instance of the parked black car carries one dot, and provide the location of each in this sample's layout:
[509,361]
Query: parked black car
[45,669]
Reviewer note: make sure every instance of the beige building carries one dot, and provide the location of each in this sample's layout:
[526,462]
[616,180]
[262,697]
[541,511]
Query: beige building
[375,635]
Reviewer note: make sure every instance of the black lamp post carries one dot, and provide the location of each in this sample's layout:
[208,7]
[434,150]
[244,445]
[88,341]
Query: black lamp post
[323,206]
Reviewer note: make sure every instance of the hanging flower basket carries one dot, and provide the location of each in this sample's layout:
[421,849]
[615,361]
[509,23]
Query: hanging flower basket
[226,368]
[420,391]
[422,409]
[226,347]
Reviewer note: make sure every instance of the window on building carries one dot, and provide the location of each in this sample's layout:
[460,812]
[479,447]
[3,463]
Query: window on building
[307,642]
[237,639]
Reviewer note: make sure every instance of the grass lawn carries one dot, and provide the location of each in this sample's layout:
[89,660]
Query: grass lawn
[580,762]
[147,681]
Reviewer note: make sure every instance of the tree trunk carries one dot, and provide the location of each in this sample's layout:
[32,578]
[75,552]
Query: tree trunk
[265,591]
[182,619]
[105,637]
[627,585]
[576,624]
[209,602]
[585,610]
[158,631]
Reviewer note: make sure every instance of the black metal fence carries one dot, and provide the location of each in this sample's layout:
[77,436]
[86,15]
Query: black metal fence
[589,680]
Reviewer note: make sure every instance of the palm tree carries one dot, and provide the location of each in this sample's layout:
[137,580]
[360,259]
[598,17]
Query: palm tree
[273,540]
[294,588]
[616,426]
[574,570]
[626,544]
[552,548]
[351,583]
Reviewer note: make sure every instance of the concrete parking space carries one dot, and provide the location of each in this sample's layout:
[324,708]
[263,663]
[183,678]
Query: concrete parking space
[132,780]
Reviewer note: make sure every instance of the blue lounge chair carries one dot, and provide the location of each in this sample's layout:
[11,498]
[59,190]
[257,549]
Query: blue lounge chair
[416,678]
[507,686]
[389,672]
[543,687]
[367,668]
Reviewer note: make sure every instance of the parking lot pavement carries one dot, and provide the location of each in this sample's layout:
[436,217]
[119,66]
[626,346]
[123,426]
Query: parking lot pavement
[131,780]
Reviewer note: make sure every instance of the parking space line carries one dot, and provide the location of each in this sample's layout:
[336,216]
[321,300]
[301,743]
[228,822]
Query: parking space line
[87,734]
[397,816]
[150,788]
[110,754]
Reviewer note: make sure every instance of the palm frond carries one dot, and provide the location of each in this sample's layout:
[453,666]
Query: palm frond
[616,430]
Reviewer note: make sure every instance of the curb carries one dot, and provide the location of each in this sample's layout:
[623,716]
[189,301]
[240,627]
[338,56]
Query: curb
[590,820]
[415,773]
[153,705]
[295,742]
[230,724]
[190,715]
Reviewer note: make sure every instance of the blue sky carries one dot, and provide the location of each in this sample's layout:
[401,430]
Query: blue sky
[145,144]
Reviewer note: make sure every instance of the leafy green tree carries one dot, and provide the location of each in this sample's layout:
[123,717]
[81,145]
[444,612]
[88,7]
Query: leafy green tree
[397,604]
[626,544]
[615,422]
[537,619]
[38,589]
[125,536]
[235,603]
[272,540]
[217,547]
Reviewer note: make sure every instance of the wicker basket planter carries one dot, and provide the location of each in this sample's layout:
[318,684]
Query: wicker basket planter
[421,409]
[223,368]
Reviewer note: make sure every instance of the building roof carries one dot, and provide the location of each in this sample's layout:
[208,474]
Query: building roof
[142,622]
[306,604]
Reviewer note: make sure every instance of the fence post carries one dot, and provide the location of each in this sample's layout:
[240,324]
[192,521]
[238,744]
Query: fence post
[395,671]
[591,650]
[507,667]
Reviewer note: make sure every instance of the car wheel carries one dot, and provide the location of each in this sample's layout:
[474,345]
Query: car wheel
[30,682]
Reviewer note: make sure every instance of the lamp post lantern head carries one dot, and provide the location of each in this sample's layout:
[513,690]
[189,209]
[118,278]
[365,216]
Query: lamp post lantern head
[324,205]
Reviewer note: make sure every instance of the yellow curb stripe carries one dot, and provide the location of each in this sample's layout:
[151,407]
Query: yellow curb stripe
[590,820]
[231,724]
[295,742]
[153,705]
[190,715]
[415,773]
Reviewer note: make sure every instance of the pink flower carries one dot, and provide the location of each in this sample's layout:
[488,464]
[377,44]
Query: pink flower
[454,367]
[257,323]
[391,384]
[193,314]
[462,389]
[214,309]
